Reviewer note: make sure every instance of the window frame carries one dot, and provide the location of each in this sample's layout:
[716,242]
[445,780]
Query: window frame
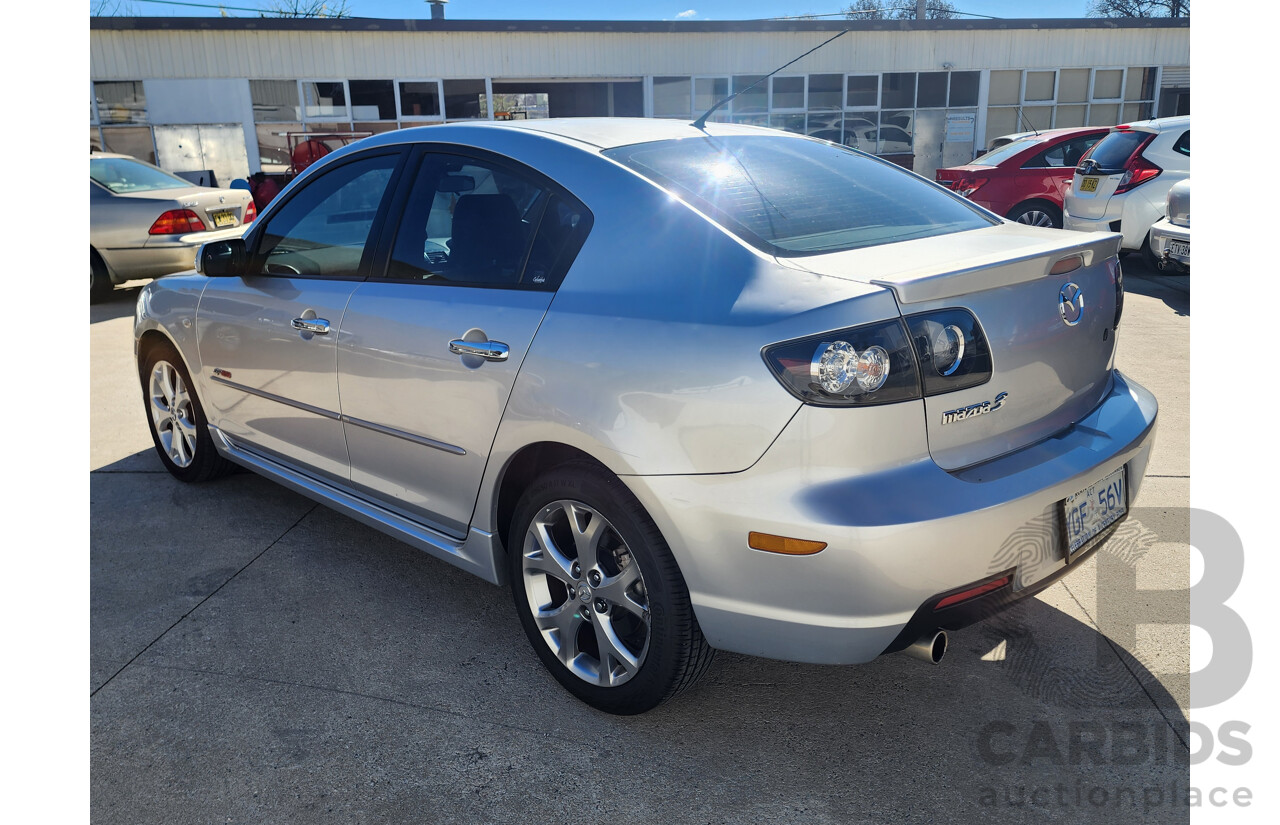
[411,164]
[368,257]
[845,92]
[302,101]
[804,96]
[419,119]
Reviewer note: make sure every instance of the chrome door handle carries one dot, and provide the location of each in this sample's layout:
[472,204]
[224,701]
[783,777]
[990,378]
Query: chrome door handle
[318,326]
[488,350]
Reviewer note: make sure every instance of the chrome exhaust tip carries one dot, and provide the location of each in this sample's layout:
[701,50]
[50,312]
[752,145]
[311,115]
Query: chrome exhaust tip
[930,647]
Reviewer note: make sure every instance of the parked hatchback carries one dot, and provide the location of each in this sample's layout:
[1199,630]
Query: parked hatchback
[681,389]
[1121,184]
[145,222]
[1025,179]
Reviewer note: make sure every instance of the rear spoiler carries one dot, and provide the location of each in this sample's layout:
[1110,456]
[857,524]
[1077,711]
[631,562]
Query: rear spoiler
[978,276]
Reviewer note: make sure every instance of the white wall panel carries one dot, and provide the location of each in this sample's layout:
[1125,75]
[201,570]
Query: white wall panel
[131,55]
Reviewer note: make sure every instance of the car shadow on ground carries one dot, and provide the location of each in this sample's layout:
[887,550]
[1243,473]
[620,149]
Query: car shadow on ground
[276,660]
[1172,288]
[119,304]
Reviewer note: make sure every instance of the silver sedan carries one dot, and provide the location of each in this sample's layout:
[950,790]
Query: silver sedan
[145,222]
[681,389]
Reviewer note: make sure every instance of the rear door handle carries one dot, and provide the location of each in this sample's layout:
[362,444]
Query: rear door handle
[488,350]
[317,326]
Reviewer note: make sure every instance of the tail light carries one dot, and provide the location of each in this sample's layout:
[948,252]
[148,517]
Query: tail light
[1138,170]
[967,186]
[176,222]
[250,212]
[1117,277]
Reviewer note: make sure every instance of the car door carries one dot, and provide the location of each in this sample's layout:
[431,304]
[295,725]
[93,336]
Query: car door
[268,340]
[431,346]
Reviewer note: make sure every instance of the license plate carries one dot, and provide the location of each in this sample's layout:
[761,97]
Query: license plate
[1088,184]
[1179,249]
[223,217]
[1093,509]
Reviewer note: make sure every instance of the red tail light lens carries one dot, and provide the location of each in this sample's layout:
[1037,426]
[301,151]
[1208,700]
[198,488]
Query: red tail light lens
[967,186]
[176,222]
[1137,172]
[250,212]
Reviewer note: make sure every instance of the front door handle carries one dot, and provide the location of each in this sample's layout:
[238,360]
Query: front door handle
[316,326]
[488,350]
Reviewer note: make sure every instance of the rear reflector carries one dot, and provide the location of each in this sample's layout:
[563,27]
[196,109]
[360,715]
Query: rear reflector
[973,592]
[781,544]
[1068,264]
[176,222]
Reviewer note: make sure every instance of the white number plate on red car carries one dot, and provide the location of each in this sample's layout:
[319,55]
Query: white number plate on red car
[1093,509]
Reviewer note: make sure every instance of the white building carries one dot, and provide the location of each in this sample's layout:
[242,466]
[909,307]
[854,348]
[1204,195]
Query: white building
[233,95]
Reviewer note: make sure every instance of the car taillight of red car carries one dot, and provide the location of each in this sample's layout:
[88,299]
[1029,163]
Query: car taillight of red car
[967,186]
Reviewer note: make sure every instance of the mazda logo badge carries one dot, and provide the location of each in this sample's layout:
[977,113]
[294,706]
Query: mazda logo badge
[1071,304]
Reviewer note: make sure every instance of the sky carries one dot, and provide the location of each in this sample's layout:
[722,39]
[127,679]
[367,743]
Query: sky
[597,10]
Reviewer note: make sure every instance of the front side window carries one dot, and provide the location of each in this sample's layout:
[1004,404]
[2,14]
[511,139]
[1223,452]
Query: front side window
[471,222]
[794,197]
[322,230]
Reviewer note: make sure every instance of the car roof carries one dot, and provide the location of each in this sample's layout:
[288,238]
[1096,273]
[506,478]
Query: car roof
[1158,124]
[604,132]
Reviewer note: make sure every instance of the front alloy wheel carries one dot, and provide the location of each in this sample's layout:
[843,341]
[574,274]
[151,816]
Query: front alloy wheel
[172,415]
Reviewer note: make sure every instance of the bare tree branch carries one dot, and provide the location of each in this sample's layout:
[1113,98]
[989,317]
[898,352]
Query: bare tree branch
[1140,8]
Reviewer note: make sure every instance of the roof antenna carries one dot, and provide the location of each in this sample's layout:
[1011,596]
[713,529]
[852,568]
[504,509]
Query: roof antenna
[1027,123]
[701,122]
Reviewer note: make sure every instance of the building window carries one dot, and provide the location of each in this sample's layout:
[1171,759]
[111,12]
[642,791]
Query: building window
[275,101]
[325,100]
[787,94]
[1035,100]
[932,92]
[707,92]
[420,100]
[863,91]
[465,100]
[825,91]
[672,96]
[130,140]
[372,100]
[120,101]
[754,101]
[898,90]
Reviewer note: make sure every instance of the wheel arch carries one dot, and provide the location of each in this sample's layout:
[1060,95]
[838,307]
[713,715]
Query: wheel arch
[524,466]
[1036,201]
[148,342]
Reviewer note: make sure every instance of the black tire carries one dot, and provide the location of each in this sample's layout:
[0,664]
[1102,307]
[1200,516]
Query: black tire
[100,286]
[1036,213]
[674,653]
[199,460]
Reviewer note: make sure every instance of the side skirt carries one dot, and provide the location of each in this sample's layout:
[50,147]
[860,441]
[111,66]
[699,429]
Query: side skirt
[479,554]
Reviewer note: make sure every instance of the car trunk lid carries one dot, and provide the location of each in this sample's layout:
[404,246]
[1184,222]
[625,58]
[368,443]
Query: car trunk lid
[1046,373]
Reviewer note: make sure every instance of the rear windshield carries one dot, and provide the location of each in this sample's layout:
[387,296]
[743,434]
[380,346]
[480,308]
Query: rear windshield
[122,175]
[1114,150]
[792,197]
[998,156]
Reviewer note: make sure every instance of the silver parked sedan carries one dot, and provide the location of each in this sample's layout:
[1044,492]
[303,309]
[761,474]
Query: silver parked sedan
[683,389]
[145,222]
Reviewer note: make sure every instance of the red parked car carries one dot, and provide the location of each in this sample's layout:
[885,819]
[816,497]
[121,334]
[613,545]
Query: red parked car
[1025,180]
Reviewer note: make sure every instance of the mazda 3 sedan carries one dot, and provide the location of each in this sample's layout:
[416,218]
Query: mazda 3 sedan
[681,389]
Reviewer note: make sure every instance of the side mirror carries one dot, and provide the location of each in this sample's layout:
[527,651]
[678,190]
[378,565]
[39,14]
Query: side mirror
[222,259]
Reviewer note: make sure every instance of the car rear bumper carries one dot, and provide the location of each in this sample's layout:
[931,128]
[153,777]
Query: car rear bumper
[1162,233]
[898,535]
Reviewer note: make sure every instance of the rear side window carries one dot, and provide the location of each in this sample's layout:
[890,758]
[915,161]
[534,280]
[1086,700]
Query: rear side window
[471,222]
[795,197]
[1114,150]
[1183,144]
[998,156]
[1065,155]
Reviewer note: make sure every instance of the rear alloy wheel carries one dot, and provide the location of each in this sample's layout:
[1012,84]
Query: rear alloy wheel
[599,594]
[1038,214]
[100,285]
[177,421]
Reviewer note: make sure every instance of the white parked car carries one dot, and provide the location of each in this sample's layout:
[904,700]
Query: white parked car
[1120,185]
[1170,239]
